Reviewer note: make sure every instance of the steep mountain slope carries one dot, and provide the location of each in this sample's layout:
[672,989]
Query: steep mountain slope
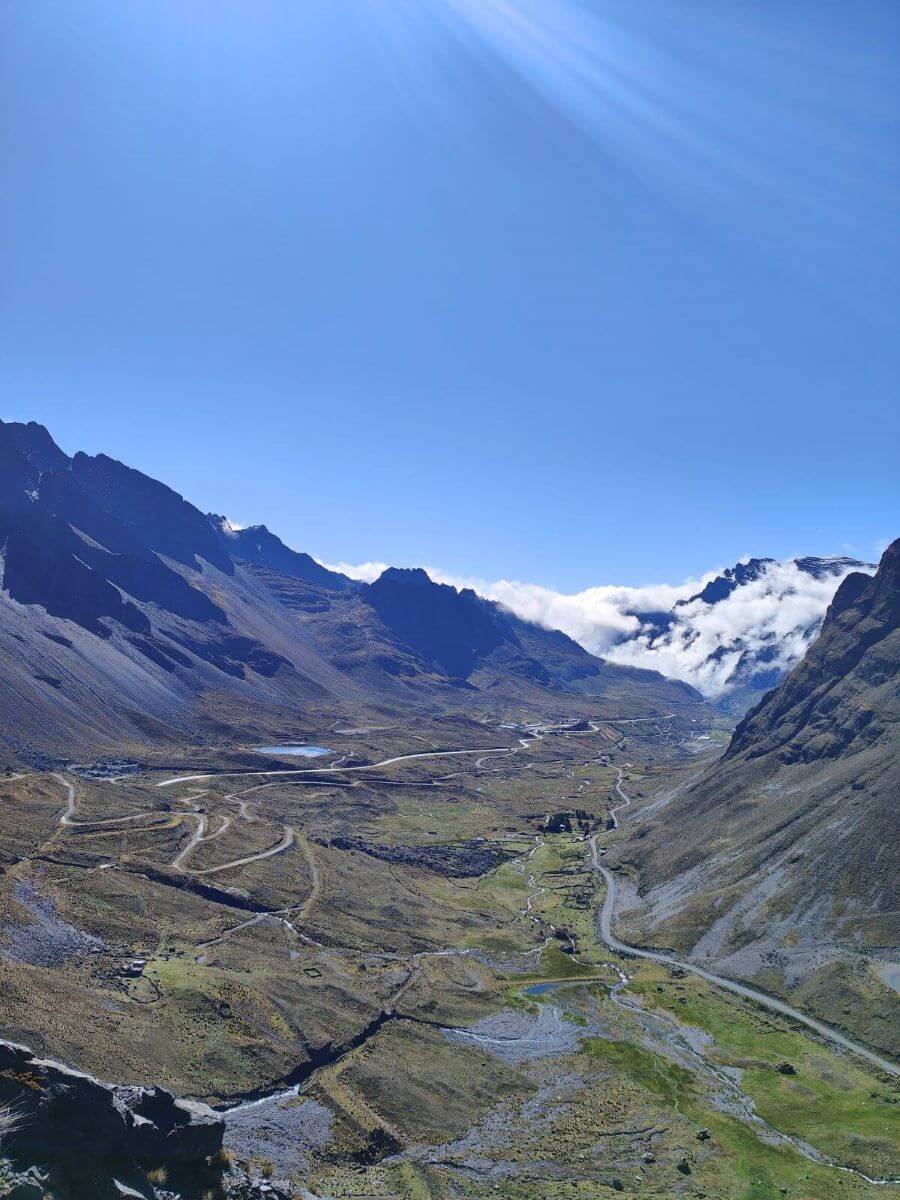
[415,643]
[781,864]
[453,630]
[127,616]
[739,635]
[106,638]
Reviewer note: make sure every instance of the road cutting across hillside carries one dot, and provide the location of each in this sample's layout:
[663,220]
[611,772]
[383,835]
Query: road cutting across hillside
[605,920]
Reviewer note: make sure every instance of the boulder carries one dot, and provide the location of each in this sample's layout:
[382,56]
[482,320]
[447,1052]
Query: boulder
[62,1113]
[30,1184]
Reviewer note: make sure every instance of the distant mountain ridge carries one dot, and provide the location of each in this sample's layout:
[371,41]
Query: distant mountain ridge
[128,616]
[743,573]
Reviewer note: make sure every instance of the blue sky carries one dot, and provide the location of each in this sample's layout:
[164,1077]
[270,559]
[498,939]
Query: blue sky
[562,290]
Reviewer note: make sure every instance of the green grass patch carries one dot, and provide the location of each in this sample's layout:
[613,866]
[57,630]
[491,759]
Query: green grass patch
[669,1083]
[556,965]
[830,1102]
[741,1166]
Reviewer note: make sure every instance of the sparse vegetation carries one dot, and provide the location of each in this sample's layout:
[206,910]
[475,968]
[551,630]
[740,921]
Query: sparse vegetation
[9,1122]
[223,1160]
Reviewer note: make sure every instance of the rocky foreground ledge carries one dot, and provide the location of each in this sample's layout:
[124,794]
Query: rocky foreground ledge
[71,1137]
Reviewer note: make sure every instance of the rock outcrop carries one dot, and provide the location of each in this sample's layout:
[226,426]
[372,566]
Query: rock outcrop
[462,861]
[87,1140]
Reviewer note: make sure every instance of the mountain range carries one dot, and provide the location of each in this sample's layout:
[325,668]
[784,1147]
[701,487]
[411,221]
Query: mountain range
[262,943]
[733,633]
[128,617]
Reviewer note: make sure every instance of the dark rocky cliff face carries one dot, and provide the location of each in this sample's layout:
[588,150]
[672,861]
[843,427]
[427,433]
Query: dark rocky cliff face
[448,628]
[163,520]
[258,545]
[66,549]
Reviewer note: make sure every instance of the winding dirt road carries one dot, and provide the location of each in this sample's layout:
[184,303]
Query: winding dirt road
[286,842]
[195,839]
[68,815]
[386,762]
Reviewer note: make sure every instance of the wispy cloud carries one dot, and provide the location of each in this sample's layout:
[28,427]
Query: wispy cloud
[598,617]
[366,572]
[229,527]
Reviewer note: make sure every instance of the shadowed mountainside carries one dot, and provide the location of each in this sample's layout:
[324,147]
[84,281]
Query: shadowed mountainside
[259,546]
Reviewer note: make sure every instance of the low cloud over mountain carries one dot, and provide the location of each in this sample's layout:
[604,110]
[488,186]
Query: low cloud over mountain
[748,634]
[730,633]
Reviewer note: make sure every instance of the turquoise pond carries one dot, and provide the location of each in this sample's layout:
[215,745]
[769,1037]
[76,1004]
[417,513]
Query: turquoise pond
[299,751]
[539,989]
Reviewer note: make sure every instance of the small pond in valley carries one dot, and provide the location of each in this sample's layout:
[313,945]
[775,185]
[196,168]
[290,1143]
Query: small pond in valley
[298,751]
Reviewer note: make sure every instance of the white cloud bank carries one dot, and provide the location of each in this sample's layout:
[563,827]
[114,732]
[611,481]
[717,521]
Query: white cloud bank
[710,646]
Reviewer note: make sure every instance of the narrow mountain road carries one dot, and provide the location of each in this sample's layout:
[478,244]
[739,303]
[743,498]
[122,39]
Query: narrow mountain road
[195,839]
[69,811]
[243,811]
[605,930]
[626,800]
[315,881]
[636,720]
[386,762]
[223,828]
[68,814]
[285,843]
[524,743]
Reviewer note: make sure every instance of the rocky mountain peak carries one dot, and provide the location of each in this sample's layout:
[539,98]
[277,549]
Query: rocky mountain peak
[405,576]
[34,443]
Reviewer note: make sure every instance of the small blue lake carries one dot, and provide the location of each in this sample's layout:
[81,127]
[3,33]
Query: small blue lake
[297,751]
